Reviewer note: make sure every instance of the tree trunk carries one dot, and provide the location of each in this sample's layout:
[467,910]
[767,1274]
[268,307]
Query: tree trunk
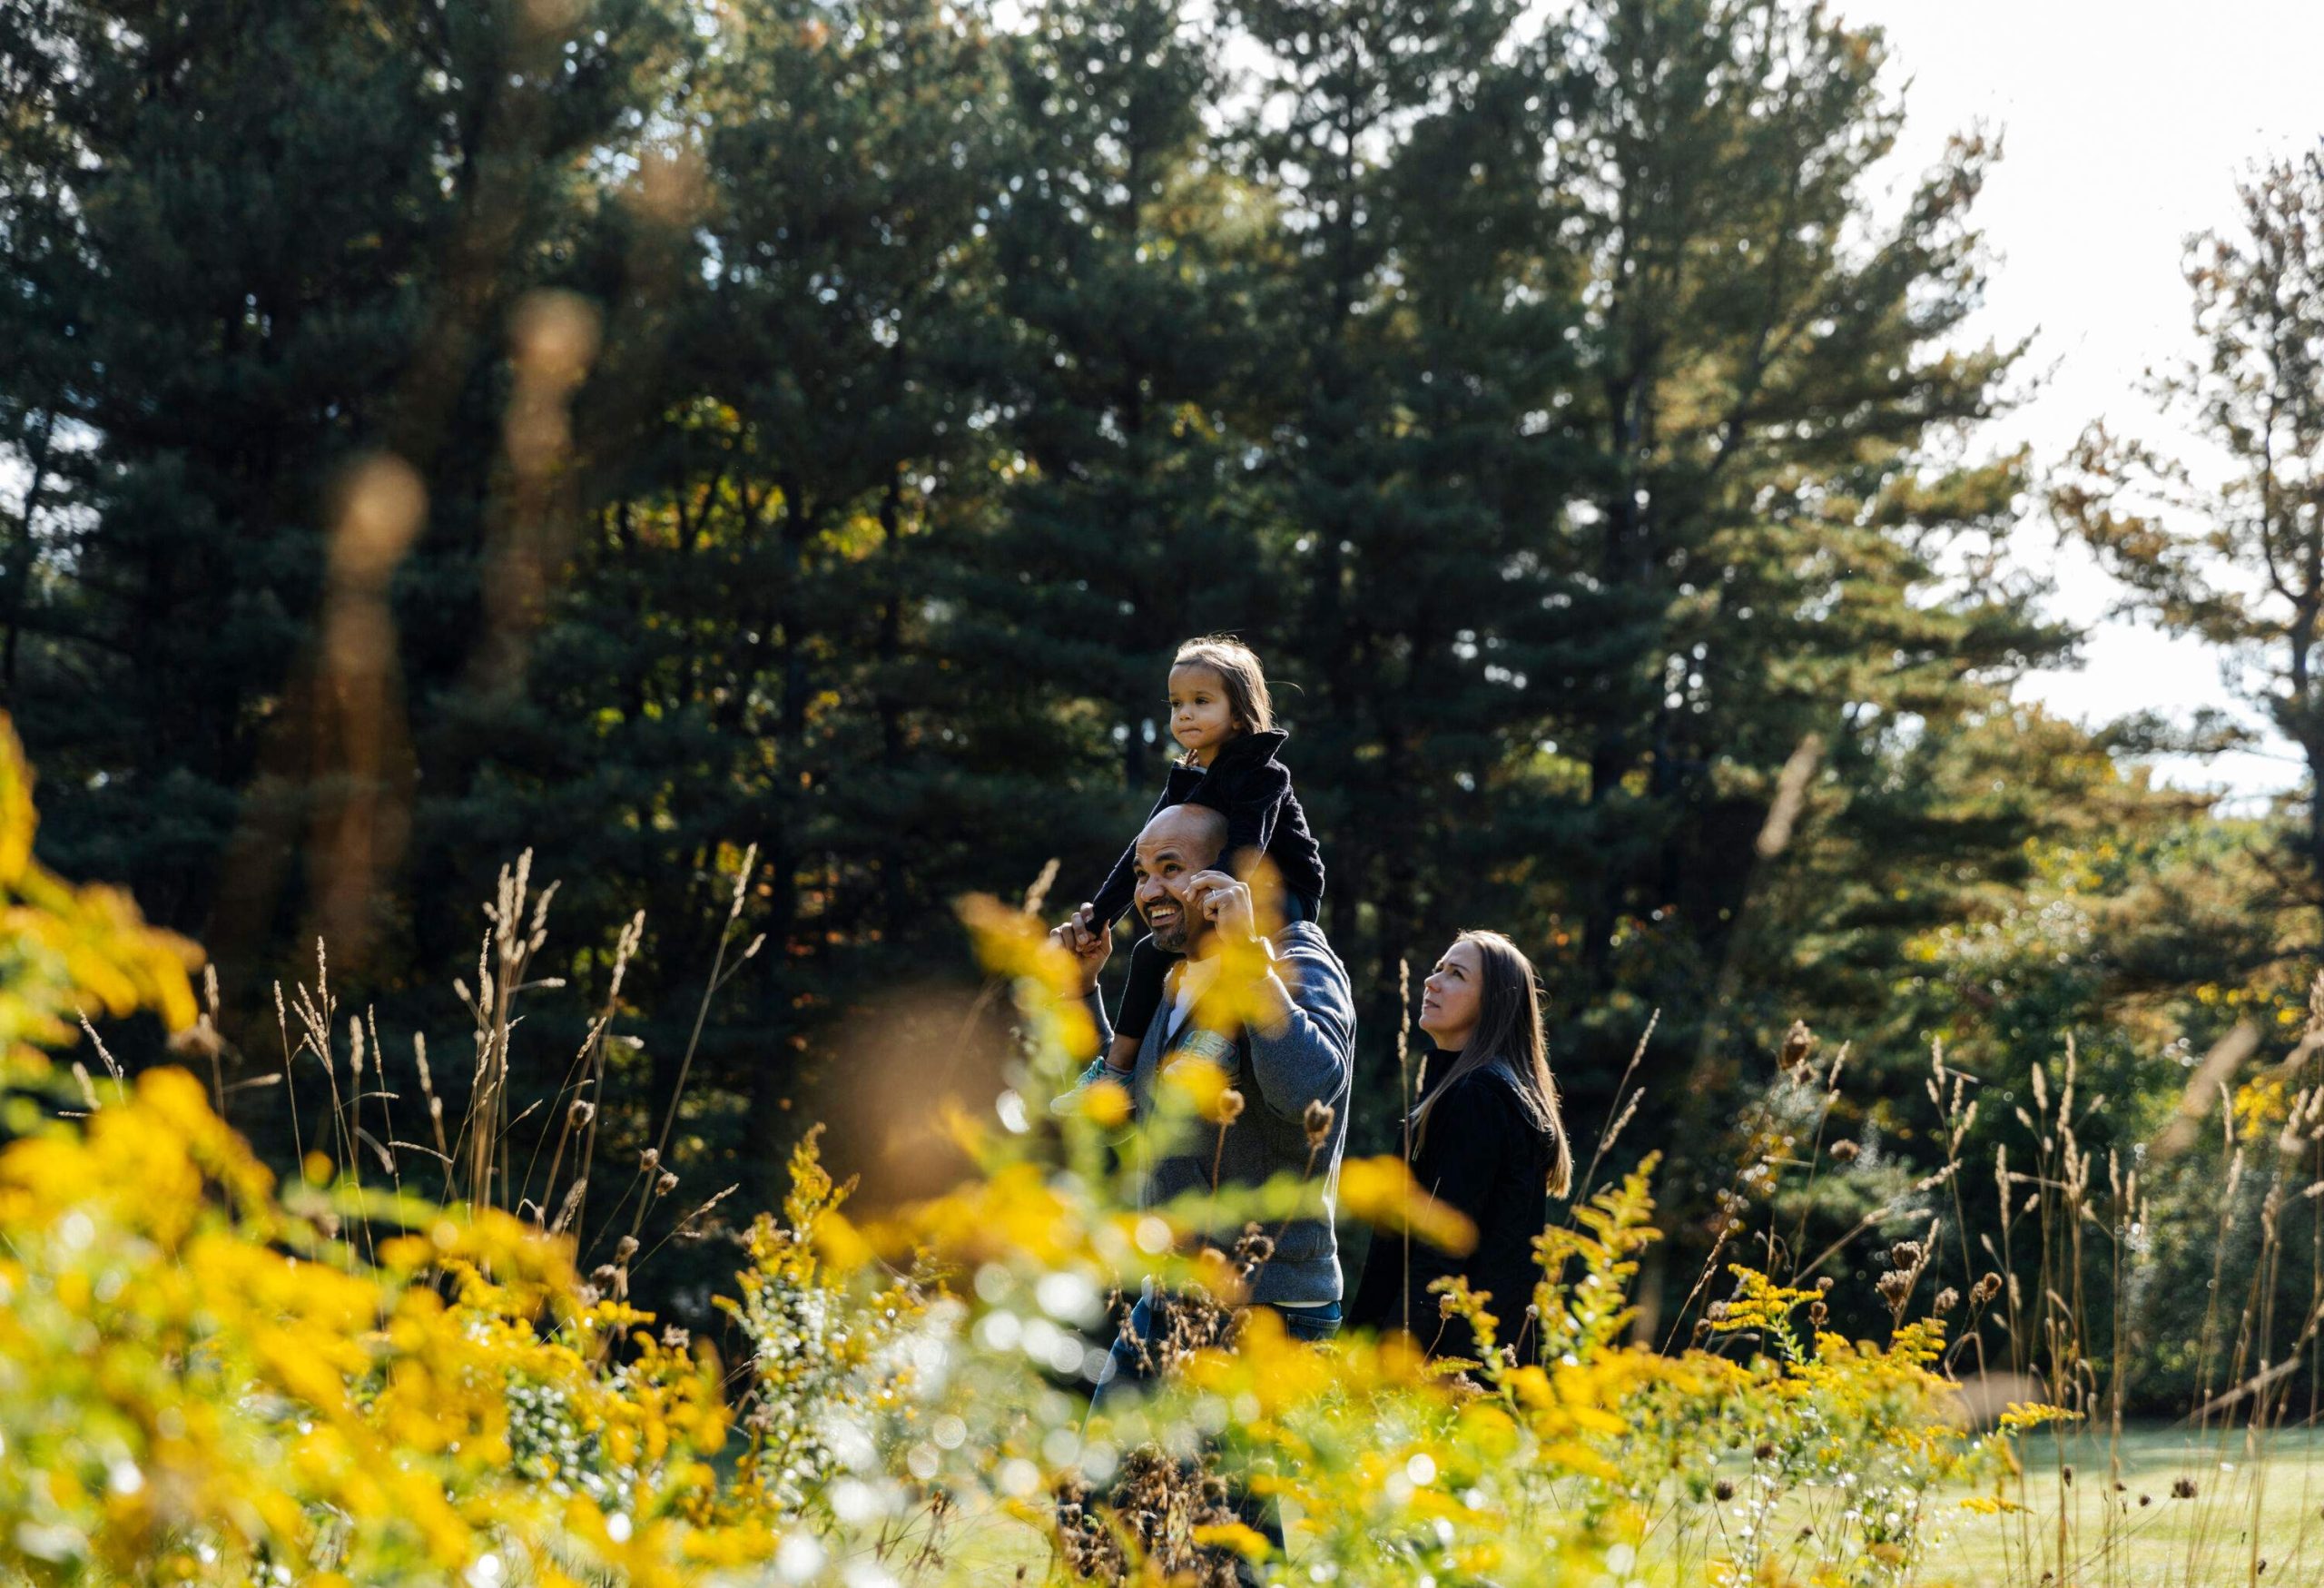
[18,571]
[2312,750]
[895,859]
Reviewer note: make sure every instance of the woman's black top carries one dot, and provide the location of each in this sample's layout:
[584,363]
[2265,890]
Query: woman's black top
[1247,786]
[1484,1155]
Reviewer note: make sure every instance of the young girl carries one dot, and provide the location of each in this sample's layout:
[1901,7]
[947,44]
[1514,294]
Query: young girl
[1222,718]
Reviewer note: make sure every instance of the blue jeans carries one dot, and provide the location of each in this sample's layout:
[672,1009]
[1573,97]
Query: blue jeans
[1130,1363]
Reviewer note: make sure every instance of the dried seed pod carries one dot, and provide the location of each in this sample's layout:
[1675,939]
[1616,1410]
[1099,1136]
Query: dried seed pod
[1798,1046]
[1230,1106]
[1318,1120]
[1905,1254]
[1723,1490]
[625,1248]
[668,1183]
[582,1111]
[1845,1151]
[1947,1300]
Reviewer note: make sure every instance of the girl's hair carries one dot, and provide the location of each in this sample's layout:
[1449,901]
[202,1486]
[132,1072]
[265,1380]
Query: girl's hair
[1509,1034]
[1238,670]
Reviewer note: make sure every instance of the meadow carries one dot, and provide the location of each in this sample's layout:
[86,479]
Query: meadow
[2162,1534]
[2190,1508]
[210,1377]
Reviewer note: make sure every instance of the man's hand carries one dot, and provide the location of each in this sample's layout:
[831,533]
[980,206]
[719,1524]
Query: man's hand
[1089,942]
[1226,903]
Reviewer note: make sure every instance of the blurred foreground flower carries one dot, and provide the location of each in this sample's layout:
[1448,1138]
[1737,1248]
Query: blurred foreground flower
[1383,1192]
[65,948]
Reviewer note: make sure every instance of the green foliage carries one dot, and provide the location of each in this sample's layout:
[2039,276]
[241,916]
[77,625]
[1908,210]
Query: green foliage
[2237,560]
[1590,1312]
[659,437]
[267,244]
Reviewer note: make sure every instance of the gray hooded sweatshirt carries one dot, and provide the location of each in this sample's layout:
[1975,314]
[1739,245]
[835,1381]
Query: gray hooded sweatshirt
[1310,1060]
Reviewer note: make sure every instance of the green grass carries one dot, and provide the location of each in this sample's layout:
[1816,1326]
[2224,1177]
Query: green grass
[2165,1506]
[2242,1512]
[2158,1538]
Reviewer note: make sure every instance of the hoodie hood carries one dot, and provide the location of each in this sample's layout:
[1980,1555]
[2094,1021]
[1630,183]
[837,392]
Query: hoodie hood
[1250,748]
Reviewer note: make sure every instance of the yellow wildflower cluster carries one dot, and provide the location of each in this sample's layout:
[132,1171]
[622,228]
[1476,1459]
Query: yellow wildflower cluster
[1761,1307]
[829,1378]
[197,1378]
[205,1379]
[67,951]
[2261,1107]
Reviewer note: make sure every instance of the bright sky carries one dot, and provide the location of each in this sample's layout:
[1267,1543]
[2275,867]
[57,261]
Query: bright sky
[2125,125]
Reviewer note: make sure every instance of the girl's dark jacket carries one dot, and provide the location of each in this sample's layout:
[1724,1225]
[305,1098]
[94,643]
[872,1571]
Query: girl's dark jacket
[1247,786]
[1484,1155]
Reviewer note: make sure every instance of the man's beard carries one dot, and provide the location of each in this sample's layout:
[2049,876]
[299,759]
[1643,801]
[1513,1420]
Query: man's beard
[1170,938]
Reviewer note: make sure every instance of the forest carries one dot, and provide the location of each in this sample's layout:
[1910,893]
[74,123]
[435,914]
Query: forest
[756,461]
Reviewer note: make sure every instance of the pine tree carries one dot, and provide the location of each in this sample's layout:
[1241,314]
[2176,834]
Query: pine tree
[1418,343]
[1771,387]
[39,258]
[277,242]
[1133,339]
[739,663]
[1129,526]
[2238,563]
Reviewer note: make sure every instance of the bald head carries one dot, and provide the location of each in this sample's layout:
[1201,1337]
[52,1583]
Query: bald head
[1196,830]
[1178,844]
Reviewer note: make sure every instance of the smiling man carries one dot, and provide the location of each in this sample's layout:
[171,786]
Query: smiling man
[1294,1049]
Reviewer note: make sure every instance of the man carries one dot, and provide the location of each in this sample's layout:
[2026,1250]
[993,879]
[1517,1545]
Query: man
[1291,1058]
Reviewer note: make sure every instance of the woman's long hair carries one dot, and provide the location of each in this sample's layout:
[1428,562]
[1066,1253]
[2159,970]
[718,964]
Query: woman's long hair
[1509,1034]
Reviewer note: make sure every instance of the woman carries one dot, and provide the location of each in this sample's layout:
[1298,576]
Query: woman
[1486,1138]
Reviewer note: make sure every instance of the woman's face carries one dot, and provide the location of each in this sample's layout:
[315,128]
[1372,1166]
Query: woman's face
[1453,996]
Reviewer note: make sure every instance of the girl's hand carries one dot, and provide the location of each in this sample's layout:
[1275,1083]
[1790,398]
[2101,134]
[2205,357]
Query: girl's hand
[1089,942]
